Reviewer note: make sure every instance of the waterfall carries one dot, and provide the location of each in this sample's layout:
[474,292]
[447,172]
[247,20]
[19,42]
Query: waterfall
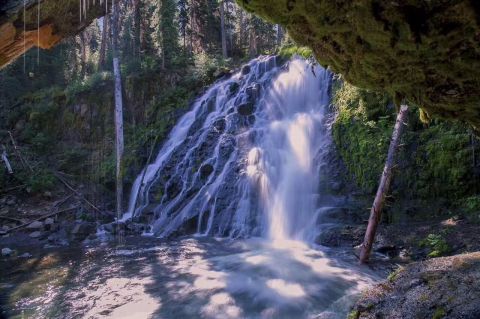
[246,160]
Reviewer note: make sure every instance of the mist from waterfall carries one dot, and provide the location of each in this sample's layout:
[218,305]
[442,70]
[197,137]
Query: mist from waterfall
[246,159]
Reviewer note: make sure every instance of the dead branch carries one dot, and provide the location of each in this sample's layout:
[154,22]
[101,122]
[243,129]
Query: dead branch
[43,217]
[80,195]
[18,153]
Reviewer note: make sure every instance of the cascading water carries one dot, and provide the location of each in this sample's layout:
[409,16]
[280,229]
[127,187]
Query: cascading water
[250,159]
[246,159]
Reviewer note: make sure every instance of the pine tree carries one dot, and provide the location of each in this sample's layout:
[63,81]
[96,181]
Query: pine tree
[169,32]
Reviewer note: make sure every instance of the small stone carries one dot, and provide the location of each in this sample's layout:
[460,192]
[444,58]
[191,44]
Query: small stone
[47,194]
[6,252]
[49,221]
[36,234]
[35,225]
[25,255]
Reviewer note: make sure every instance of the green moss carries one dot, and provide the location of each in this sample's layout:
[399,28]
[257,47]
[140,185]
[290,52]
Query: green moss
[437,245]
[424,51]
[292,50]
[361,134]
[435,161]
[439,313]
[394,275]
[355,314]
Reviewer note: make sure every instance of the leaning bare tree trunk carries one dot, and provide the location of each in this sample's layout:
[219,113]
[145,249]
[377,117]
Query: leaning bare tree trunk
[222,27]
[384,186]
[118,111]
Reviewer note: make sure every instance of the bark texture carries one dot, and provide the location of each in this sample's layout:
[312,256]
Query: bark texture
[383,188]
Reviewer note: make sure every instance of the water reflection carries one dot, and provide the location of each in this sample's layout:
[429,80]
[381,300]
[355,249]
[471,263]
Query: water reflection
[188,278]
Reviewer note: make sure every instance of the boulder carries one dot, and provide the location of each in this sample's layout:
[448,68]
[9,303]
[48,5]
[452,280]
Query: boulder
[36,234]
[6,252]
[36,225]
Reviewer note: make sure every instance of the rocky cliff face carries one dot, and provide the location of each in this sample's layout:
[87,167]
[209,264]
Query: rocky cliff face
[427,52]
[43,24]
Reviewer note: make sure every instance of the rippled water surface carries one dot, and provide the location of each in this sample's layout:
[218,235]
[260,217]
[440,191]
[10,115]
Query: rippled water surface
[186,278]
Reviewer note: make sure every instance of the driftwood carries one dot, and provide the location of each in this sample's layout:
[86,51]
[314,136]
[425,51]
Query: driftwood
[12,188]
[80,195]
[6,161]
[42,217]
[19,154]
[378,203]
[11,219]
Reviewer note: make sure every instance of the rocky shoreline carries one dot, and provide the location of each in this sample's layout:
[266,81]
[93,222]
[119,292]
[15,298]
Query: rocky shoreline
[445,287]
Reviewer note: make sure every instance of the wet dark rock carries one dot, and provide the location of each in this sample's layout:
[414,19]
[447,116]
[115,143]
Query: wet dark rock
[246,109]
[206,170]
[253,92]
[246,69]
[173,189]
[233,88]
[220,125]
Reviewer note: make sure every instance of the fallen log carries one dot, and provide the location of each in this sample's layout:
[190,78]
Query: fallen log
[42,217]
[19,154]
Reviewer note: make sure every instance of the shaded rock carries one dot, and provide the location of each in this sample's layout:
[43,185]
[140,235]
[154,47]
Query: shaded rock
[246,109]
[25,255]
[389,250]
[36,234]
[36,225]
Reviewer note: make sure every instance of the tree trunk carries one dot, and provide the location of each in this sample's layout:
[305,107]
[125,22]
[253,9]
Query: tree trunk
[104,44]
[83,57]
[118,112]
[241,31]
[222,27]
[376,211]
[136,33]
[5,160]
[279,35]
[252,45]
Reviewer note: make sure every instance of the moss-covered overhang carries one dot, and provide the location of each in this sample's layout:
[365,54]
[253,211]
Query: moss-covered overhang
[25,26]
[427,52]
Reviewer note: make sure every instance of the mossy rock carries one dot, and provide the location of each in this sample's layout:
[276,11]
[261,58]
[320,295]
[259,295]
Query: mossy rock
[427,52]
